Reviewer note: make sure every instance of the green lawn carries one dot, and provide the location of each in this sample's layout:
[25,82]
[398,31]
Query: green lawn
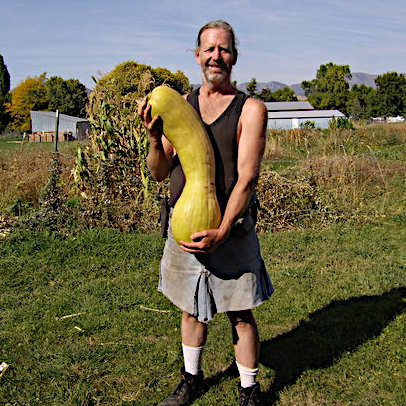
[81,321]
[333,333]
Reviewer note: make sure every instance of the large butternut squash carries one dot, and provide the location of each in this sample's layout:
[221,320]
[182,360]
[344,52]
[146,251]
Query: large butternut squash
[197,209]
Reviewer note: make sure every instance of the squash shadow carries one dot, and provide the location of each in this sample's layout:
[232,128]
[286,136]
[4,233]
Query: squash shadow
[342,326]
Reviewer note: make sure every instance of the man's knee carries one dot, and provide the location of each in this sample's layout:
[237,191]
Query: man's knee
[242,322]
[189,319]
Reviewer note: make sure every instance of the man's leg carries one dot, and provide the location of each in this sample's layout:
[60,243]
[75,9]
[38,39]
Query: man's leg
[245,338]
[194,336]
[246,347]
[194,333]
[192,384]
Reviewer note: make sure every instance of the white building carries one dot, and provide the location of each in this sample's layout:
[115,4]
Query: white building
[292,115]
[43,126]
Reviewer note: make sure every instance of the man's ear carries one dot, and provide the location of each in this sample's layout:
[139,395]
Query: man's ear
[197,56]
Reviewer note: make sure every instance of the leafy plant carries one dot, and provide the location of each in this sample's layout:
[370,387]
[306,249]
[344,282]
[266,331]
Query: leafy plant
[53,213]
[309,124]
[18,208]
[112,169]
[341,122]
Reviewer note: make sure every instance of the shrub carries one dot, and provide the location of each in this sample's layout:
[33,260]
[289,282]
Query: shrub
[286,203]
[111,173]
[341,122]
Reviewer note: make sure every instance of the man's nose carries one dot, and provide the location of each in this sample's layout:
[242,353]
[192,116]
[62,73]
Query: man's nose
[216,54]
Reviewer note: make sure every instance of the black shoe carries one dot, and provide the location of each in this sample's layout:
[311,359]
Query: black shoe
[189,389]
[249,396]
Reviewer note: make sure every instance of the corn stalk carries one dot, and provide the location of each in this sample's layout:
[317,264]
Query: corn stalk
[119,147]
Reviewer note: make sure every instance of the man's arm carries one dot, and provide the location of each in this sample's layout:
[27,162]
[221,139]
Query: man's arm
[251,147]
[159,159]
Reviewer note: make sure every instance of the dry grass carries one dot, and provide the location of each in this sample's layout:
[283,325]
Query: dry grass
[323,176]
[24,170]
[285,203]
[309,177]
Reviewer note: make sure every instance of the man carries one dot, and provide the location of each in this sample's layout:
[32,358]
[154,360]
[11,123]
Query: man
[221,270]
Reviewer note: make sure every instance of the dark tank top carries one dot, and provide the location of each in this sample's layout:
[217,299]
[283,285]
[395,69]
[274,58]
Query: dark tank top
[223,137]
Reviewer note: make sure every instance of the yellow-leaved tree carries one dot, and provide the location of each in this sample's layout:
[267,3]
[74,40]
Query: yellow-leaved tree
[30,94]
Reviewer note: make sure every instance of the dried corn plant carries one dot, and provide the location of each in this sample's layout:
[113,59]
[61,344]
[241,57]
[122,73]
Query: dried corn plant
[111,172]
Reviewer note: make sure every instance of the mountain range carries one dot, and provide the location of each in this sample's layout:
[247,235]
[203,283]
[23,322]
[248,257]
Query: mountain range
[359,78]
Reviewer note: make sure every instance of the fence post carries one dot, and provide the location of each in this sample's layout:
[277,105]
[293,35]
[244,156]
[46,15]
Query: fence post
[56,130]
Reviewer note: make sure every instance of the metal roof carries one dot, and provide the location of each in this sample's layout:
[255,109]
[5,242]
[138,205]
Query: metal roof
[53,115]
[305,114]
[45,121]
[293,105]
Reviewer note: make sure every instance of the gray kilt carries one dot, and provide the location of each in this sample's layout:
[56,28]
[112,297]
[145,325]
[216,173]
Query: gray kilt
[231,278]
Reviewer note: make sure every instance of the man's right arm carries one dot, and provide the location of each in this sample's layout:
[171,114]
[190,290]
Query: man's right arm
[160,152]
[159,158]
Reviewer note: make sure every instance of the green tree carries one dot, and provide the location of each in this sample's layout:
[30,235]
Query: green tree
[177,80]
[131,80]
[252,87]
[266,95]
[4,96]
[67,96]
[280,95]
[4,78]
[284,94]
[30,94]
[330,89]
[390,95]
[360,101]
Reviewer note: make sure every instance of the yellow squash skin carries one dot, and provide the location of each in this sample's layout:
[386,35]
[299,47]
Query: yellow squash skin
[197,209]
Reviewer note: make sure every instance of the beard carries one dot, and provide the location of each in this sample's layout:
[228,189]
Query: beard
[216,78]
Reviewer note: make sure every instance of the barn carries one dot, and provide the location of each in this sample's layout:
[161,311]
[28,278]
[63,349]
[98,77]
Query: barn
[292,115]
[70,128]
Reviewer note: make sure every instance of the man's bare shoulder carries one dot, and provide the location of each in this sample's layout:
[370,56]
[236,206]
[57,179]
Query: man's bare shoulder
[254,107]
[254,103]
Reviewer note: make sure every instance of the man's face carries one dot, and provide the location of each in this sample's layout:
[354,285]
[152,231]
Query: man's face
[215,55]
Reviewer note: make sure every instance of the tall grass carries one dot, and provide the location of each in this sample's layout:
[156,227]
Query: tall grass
[331,175]
[24,170]
[309,178]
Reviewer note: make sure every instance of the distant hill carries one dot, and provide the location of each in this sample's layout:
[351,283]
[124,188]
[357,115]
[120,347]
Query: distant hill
[358,78]
[272,86]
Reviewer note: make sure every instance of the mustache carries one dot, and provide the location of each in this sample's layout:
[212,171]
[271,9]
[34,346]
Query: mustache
[220,65]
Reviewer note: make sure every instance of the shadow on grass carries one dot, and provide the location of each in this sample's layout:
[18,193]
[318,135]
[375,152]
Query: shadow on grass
[340,327]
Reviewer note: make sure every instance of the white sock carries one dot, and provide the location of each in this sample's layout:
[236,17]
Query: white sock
[248,376]
[192,357]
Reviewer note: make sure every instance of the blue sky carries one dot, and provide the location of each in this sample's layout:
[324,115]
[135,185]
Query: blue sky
[281,40]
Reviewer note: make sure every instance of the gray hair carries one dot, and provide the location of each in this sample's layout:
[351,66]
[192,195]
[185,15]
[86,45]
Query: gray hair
[221,25]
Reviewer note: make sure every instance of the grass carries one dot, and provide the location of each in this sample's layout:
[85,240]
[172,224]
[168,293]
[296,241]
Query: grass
[81,321]
[332,334]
